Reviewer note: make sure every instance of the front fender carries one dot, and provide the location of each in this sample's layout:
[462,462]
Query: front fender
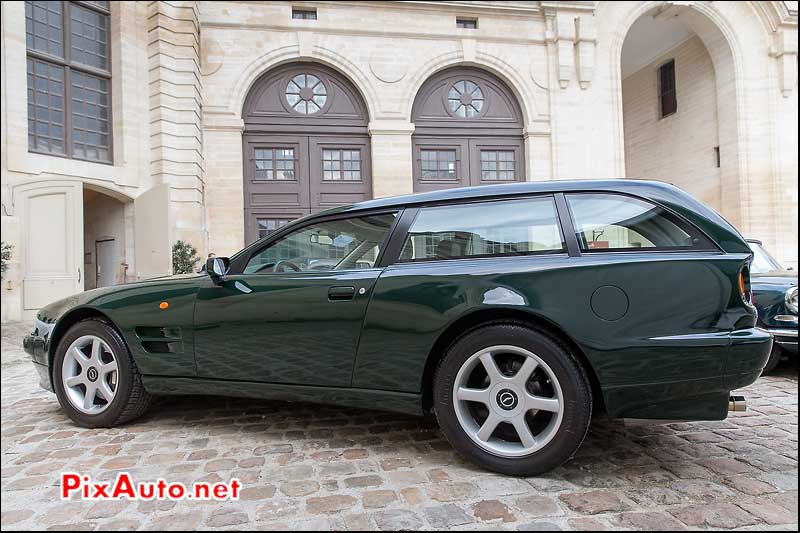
[159,335]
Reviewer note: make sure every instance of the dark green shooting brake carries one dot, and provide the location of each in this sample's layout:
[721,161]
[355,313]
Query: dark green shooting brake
[512,312]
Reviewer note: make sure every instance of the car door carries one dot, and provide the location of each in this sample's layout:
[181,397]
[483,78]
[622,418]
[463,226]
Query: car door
[293,314]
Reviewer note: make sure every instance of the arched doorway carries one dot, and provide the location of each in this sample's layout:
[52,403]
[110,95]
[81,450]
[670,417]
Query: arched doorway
[679,106]
[306,146]
[104,244]
[467,131]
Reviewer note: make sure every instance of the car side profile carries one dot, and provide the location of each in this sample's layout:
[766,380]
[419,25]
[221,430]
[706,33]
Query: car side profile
[512,312]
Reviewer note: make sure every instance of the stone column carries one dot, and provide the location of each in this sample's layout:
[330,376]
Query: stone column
[392,169]
[224,179]
[538,151]
[176,115]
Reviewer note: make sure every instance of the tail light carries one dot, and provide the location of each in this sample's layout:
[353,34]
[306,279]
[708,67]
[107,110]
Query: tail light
[745,289]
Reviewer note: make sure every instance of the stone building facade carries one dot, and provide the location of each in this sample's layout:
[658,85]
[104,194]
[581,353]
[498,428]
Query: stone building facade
[127,126]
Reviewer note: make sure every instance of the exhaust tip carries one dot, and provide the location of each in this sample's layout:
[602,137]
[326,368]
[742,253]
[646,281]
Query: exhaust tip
[737,404]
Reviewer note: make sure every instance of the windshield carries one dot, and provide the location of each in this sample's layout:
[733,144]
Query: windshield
[762,261]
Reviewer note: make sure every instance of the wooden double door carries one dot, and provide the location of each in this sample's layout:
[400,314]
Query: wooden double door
[289,176]
[448,162]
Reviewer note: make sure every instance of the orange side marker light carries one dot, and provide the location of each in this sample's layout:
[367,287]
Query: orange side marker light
[163,305]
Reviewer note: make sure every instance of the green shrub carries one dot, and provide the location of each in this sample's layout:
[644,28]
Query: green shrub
[184,258]
[5,257]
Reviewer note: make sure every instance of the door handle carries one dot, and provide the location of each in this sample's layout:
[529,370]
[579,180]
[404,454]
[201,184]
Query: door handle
[336,294]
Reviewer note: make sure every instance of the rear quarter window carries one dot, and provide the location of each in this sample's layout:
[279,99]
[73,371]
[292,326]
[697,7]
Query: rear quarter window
[495,228]
[615,222]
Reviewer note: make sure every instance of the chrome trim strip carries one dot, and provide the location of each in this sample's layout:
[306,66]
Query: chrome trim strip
[783,332]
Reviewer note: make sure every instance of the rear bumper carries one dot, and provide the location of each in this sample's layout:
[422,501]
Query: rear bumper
[747,357]
[705,397]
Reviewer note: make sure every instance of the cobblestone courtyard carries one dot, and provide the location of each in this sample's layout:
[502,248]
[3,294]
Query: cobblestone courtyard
[306,466]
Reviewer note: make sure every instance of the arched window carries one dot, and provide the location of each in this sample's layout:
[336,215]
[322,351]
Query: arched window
[306,146]
[468,131]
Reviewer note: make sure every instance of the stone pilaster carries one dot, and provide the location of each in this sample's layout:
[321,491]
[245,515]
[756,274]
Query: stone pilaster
[391,165]
[176,93]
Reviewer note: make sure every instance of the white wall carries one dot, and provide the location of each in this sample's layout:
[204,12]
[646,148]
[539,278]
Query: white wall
[679,148]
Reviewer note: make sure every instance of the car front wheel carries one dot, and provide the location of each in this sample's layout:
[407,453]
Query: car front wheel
[512,399]
[95,377]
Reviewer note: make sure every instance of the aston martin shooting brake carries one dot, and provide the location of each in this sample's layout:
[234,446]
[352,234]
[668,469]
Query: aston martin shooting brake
[511,312]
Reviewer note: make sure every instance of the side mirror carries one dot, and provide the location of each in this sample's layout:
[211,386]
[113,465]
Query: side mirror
[217,267]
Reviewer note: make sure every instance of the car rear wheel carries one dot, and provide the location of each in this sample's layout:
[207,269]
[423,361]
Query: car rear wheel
[512,399]
[95,378]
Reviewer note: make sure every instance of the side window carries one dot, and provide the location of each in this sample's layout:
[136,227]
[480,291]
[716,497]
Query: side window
[507,227]
[615,222]
[343,244]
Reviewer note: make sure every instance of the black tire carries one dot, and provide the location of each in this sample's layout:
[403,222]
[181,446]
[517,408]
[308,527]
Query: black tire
[130,401]
[575,386]
[774,358]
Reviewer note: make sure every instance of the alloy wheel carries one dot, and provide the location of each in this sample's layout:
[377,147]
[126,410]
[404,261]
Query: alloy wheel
[508,401]
[90,374]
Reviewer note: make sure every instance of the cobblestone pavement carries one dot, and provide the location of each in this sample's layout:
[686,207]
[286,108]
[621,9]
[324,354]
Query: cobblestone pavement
[306,466]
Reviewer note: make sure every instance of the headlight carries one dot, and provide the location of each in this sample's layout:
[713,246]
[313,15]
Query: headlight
[43,329]
[791,300]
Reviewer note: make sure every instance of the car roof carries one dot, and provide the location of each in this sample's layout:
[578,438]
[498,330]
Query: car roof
[644,188]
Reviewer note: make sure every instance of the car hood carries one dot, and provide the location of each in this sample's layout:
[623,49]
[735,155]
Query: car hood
[778,279]
[52,312]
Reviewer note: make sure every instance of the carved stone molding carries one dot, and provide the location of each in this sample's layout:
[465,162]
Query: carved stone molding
[784,50]
[575,39]
[586,40]
[388,64]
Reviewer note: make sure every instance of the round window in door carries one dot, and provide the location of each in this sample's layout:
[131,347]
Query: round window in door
[306,94]
[465,99]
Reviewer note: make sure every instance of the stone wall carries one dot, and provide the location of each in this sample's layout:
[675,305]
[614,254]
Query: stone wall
[679,148]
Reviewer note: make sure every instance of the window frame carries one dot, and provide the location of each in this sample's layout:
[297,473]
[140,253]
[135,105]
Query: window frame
[67,64]
[268,218]
[680,221]
[662,92]
[306,13]
[467,23]
[497,150]
[413,214]
[461,149]
[341,160]
[437,170]
[274,149]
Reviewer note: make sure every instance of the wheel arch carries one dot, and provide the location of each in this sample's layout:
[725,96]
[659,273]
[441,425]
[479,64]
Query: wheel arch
[63,325]
[487,316]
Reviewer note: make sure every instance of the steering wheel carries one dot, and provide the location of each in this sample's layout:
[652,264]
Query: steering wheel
[282,265]
[264,267]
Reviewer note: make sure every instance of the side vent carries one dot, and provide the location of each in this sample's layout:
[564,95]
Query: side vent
[160,340]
